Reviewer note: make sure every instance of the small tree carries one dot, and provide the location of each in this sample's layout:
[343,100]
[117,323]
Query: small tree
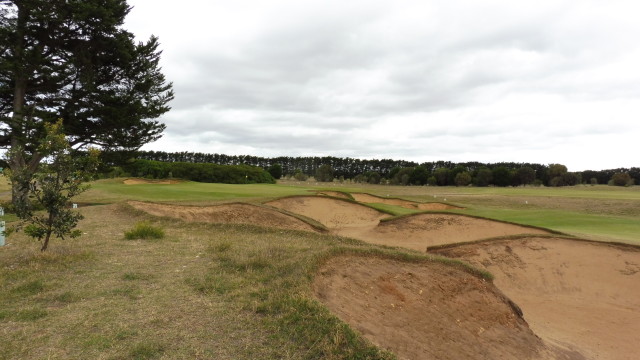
[59,179]
[462,179]
[324,173]
[525,175]
[299,175]
[621,179]
[483,177]
[276,171]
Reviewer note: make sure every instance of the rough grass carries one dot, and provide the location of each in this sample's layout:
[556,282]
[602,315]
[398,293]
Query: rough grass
[206,291]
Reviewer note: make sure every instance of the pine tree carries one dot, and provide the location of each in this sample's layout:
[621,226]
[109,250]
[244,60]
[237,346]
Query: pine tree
[72,59]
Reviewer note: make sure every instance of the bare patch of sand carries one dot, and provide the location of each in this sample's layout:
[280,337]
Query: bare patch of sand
[371,199]
[332,213]
[583,294]
[149,181]
[420,231]
[427,311]
[436,206]
[228,213]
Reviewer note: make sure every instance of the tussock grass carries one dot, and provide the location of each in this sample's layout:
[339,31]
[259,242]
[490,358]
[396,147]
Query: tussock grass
[144,230]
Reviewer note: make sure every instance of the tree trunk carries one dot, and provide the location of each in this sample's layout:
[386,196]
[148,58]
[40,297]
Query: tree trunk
[46,242]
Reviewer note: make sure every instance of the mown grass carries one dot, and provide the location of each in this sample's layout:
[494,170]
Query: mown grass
[113,190]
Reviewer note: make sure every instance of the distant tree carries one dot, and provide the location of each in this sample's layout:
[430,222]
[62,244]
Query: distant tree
[525,175]
[324,173]
[451,179]
[442,176]
[501,176]
[463,179]
[571,179]
[432,181]
[484,177]
[419,175]
[556,173]
[621,179]
[373,177]
[299,175]
[594,181]
[275,170]
[401,176]
[557,170]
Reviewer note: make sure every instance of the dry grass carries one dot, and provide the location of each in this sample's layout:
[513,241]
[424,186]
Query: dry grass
[203,291]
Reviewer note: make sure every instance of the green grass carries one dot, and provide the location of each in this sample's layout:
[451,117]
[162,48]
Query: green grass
[598,227]
[113,190]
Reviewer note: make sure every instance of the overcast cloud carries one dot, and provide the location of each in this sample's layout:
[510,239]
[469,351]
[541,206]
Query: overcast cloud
[525,81]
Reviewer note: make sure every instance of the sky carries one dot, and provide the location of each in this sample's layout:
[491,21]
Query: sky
[490,81]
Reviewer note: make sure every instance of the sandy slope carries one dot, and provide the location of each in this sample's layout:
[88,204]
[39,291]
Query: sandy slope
[428,311]
[422,230]
[581,294]
[333,213]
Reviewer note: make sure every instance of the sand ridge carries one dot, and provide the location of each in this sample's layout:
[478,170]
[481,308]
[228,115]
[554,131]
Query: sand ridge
[372,199]
[236,213]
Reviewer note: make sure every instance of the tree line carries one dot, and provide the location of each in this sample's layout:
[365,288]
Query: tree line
[402,172]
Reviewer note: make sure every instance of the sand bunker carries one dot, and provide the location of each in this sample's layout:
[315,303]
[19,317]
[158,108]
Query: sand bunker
[419,231]
[580,298]
[371,199]
[428,311]
[148,181]
[573,293]
[334,194]
[228,213]
[332,213]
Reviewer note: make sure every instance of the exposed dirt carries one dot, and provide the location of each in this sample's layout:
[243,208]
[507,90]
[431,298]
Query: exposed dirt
[148,181]
[227,213]
[371,199]
[428,311]
[582,294]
